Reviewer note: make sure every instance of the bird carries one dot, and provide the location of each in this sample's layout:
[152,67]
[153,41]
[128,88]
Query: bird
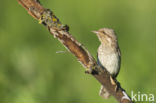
[108,55]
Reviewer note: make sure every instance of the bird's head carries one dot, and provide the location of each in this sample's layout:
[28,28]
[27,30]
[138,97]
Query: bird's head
[106,36]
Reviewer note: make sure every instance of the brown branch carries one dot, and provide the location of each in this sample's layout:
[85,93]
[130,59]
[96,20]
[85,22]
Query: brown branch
[60,31]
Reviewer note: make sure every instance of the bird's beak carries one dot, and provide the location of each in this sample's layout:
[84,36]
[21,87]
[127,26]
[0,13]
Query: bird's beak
[96,32]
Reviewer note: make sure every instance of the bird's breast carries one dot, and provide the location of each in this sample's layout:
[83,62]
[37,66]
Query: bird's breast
[109,59]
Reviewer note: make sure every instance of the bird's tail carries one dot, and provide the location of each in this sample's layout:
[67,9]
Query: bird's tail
[104,93]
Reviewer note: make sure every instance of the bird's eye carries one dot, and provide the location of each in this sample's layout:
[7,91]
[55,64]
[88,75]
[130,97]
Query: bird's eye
[103,32]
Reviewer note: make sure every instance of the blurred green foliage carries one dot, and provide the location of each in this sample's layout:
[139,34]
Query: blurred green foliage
[32,72]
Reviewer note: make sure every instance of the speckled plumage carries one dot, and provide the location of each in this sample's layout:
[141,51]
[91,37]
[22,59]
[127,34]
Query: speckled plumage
[108,54]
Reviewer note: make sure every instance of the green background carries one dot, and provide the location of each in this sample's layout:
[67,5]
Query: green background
[32,72]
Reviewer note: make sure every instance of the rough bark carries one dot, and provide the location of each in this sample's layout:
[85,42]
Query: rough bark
[61,32]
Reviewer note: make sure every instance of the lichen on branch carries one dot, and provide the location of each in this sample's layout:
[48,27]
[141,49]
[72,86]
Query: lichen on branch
[61,32]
